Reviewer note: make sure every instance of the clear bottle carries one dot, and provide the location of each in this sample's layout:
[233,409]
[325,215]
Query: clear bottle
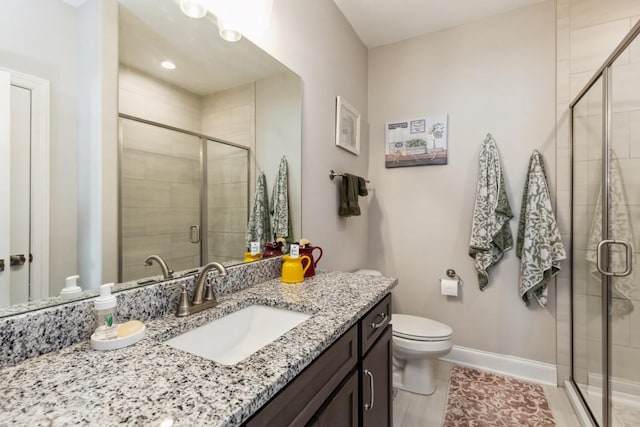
[105,314]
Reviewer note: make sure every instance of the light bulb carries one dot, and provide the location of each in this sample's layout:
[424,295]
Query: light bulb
[193,8]
[228,32]
[168,65]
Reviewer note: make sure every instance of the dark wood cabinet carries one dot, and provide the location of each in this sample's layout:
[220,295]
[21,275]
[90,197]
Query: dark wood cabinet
[341,410]
[333,390]
[376,380]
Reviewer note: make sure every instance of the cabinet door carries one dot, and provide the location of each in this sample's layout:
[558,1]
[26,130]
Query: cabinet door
[376,383]
[342,409]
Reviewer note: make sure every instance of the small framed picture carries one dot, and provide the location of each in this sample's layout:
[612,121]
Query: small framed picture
[347,126]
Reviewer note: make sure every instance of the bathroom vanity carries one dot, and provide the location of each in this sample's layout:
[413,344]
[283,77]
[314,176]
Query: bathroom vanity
[332,369]
[348,385]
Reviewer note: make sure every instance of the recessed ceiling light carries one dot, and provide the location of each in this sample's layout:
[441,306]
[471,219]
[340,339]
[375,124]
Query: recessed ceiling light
[168,65]
[228,32]
[193,8]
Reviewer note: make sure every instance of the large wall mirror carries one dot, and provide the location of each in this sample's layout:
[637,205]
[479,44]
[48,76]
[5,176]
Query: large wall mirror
[132,129]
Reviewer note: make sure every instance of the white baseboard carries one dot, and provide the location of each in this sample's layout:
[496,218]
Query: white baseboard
[524,369]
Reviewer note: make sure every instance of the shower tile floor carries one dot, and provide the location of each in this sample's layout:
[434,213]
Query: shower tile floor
[414,410]
[626,413]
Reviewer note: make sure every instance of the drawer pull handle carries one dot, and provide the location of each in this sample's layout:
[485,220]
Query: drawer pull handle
[382,316]
[369,406]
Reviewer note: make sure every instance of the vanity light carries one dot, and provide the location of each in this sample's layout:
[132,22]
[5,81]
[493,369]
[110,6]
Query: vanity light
[168,65]
[228,32]
[237,17]
[193,8]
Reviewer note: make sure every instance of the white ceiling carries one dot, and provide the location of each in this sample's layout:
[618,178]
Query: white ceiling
[152,31]
[380,22]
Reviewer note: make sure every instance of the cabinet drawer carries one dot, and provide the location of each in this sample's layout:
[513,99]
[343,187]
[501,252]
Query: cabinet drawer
[296,404]
[373,324]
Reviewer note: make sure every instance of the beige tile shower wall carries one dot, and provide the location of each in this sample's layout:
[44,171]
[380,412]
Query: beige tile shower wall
[228,206]
[587,32]
[145,97]
[421,217]
[160,175]
[230,116]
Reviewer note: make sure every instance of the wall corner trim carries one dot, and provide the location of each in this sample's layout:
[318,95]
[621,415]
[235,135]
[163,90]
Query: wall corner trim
[524,369]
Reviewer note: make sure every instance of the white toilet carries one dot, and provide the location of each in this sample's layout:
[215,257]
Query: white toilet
[417,343]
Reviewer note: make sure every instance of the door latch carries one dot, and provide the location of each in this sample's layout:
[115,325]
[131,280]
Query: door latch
[1,265]
[17,260]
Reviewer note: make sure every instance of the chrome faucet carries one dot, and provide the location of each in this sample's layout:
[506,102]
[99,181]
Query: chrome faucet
[167,273]
[200,294]
[203,296]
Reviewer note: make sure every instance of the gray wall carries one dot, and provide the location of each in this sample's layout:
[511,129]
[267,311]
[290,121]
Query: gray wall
[494,75]
[315,41]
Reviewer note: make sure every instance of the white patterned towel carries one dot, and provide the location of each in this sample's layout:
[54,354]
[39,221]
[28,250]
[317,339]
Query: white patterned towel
[620,228]
[539,245]
[259,228]
[280,203]
[490,232]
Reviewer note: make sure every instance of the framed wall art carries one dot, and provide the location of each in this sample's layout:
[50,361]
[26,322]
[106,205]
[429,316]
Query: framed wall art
[416,142]
[347,126]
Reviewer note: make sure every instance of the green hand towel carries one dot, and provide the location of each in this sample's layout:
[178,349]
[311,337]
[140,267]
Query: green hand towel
[351,187]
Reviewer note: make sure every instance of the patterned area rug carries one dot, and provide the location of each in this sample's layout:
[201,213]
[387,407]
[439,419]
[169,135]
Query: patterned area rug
[477,398]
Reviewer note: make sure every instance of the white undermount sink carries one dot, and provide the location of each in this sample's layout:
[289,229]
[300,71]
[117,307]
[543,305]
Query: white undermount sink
[236,336]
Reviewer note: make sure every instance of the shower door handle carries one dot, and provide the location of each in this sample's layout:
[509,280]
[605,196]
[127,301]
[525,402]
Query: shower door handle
[194,234]
[629,258]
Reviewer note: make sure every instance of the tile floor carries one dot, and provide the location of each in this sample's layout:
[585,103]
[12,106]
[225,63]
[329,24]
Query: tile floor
[414,410]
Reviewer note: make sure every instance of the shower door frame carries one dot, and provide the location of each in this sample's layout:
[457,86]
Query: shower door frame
[204,196]
[603,72]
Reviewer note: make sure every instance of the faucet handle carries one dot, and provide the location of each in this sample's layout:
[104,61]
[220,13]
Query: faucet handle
[208,292]
[183,303]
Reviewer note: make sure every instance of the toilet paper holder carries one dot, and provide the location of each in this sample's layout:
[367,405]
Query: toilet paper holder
[451,273]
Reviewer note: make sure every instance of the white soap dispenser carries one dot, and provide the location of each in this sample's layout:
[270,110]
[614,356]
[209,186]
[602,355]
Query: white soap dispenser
[71,288]
[105,314]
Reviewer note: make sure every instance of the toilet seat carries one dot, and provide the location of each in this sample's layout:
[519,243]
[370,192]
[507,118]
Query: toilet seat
[417,328]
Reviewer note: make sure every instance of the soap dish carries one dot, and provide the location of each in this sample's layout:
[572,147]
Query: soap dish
[117,343]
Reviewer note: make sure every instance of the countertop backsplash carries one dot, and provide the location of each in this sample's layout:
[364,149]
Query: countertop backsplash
[42,331]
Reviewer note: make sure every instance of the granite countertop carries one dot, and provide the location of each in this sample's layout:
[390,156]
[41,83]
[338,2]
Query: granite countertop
[150,382]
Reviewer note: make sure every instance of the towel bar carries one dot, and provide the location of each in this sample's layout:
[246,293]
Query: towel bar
[333,174]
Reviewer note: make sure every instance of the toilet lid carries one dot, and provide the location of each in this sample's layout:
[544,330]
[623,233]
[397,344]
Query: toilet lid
[419,328]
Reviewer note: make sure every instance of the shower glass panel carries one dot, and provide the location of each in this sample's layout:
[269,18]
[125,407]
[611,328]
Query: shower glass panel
[587,307]
[623,216]
[227,201]
[159,198]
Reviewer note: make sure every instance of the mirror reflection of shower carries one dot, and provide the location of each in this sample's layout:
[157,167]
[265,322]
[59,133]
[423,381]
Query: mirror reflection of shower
[183,197]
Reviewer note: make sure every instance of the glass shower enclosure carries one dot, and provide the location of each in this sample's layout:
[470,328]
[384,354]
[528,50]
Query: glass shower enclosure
[183,196]
[605,222]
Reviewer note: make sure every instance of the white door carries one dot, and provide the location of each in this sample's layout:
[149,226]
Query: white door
[5,164]
[15,192]
[20,189]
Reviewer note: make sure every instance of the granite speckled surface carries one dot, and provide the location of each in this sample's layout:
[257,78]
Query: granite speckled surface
[150,382]
[38,332]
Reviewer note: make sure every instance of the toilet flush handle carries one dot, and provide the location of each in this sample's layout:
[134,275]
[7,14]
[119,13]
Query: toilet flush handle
[382,316]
